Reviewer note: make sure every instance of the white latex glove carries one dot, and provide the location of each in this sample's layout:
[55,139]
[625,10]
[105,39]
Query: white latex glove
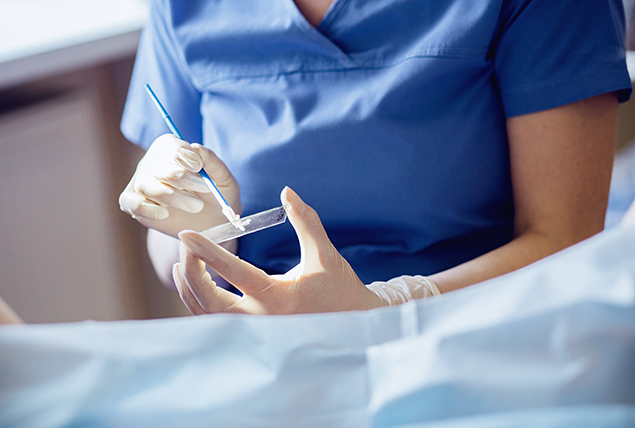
[323,281]
[404,288]
[167,193]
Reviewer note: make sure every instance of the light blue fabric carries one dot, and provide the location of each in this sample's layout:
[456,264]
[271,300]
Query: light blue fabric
[622,192]
[551,345]
[388,119]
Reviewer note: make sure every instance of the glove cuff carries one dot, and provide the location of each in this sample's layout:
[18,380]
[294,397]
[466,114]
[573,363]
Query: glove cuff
[403,289]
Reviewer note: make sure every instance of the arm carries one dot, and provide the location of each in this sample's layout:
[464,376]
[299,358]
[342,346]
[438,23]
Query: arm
[561,162]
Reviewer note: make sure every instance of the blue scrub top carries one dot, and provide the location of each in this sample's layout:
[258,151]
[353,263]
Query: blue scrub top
[388,118]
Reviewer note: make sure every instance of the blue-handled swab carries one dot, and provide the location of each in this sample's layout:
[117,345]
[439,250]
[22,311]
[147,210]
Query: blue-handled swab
[226,209]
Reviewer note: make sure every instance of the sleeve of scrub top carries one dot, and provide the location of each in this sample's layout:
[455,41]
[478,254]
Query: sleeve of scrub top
[160,63]
[551,53]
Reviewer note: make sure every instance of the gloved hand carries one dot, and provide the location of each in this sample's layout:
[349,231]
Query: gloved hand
[322,282]
[167,193]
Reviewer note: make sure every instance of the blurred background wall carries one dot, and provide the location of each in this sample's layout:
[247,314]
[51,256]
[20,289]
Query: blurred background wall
[66,251]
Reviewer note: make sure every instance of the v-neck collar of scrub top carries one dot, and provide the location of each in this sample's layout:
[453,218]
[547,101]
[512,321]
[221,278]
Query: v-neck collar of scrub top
[332,4]
[320,33]
[220,41]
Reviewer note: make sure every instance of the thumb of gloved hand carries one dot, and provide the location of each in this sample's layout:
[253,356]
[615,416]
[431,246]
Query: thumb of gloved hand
[315,246]
[323,274]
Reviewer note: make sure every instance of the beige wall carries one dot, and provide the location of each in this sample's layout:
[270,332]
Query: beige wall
[66,251]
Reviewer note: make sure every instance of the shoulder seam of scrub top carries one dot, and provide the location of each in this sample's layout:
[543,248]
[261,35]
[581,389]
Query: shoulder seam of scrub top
[310,67]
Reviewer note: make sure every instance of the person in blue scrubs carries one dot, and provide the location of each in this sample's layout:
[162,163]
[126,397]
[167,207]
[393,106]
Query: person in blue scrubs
[455,140]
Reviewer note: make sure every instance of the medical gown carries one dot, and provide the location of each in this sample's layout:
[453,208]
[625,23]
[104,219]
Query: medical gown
[551,345]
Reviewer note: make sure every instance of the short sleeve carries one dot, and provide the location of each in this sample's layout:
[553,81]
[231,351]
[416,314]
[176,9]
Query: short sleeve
[160,64]
[551,53]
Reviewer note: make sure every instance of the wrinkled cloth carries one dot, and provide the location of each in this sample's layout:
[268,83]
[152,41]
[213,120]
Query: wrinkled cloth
[550,345]
[622,192]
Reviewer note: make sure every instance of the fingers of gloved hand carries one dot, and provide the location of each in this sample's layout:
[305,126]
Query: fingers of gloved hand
[220,174]
[139,207]
[212,164]
[168,196]
[184,292]
[242,275]
[174,162]
[160,180]
[189,158]
[183,180]
[315,245]
[210,297]
[170,147]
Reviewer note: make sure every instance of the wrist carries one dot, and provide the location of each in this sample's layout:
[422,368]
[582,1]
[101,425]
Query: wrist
[403,289]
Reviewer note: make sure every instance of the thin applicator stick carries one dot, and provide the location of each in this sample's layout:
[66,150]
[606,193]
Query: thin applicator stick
[226,209]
